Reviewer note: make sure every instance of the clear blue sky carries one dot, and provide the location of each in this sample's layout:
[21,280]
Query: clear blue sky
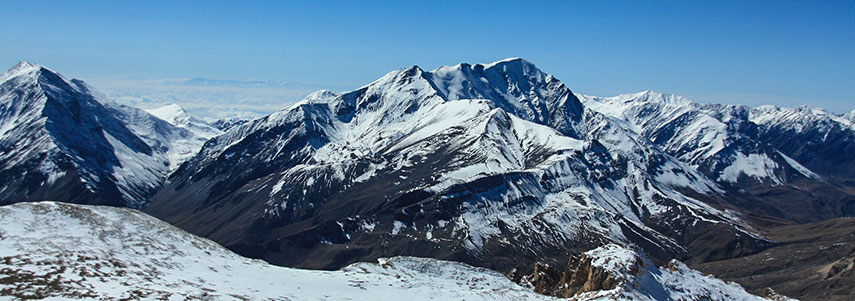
[785,53]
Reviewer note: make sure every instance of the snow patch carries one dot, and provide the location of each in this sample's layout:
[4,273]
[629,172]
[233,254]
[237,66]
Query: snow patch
[756,166]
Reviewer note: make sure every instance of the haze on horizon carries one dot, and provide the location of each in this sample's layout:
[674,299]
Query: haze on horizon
[781,53]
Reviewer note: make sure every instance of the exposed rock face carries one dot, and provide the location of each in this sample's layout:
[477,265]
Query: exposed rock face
[771,294]
[842,268]
[581,276]
[612,272]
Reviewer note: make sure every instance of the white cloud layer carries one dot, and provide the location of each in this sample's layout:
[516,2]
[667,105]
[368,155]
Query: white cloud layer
[210,99]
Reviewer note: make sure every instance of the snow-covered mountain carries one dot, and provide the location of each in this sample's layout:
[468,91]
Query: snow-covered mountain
[498,165]
[820,140]
[176,115]
[770,161]
[183,148]
[718,140]
[62,141]
[56,250]
[850,116]
[227,123]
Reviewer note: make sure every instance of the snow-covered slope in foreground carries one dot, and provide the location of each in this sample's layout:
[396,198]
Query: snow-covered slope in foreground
[63,250]
[76,251]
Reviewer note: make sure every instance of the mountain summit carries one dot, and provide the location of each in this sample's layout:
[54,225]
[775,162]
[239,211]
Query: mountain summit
[498,165]
[176,115]
[60,141]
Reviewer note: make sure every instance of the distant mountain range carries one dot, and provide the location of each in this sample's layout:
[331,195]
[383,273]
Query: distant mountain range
[495,165]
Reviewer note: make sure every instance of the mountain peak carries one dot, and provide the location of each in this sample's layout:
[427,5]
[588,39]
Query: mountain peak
[27,72]
[173,113]
[22,68]
[321,94]
[802,109]
[26,65]
[173,107]
[812,109]
[510,61]
[648,94]
[652,96]
[515,66]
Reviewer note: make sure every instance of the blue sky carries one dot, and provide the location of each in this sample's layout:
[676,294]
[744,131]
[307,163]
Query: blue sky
[785,53]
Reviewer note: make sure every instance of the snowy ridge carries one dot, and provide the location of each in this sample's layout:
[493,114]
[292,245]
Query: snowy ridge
[799,118]
[23,68]
[178,143]
[227,123]
[821,141]
[648,113]
[718,140]
[105,252]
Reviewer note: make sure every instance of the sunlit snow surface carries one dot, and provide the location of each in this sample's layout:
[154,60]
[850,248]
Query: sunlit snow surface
[176,115]
[51,117]
[800,118]
[74,251]
[850,116]
[64,250]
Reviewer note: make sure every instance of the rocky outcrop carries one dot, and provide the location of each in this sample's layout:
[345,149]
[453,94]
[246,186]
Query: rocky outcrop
[842,268]
[582,275]
[613,272]
[771,294]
